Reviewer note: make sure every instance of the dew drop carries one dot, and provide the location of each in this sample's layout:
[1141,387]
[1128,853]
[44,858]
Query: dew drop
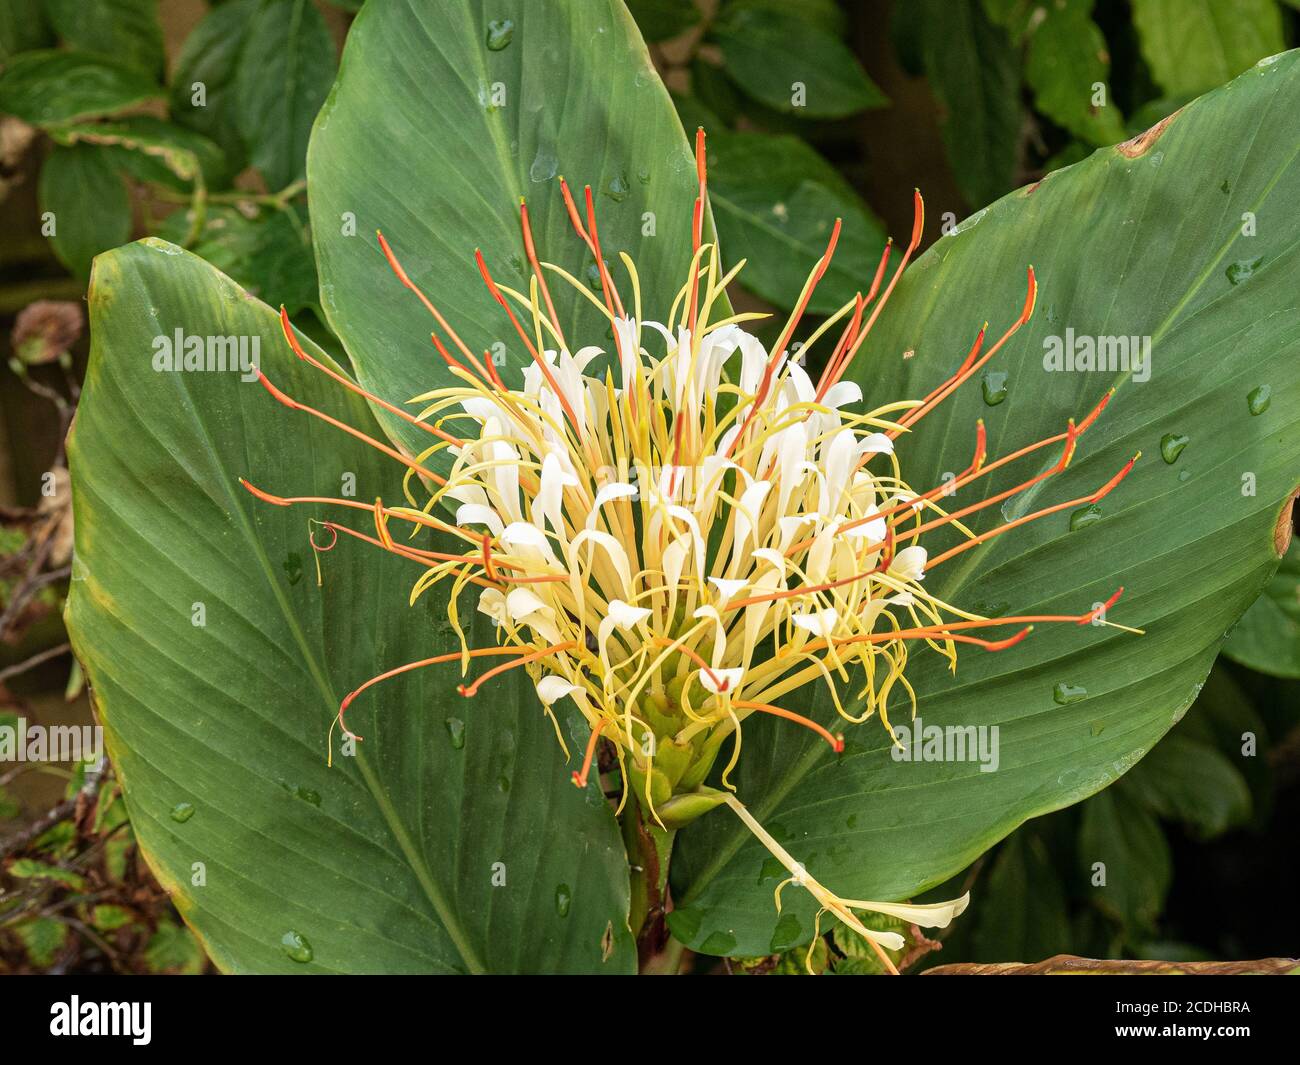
[1171,446]
[500,32]
[994,385]
[545,165]
[293,567]
[456,730]
[1259,399]
[295,946]
[563,900]
[1085,516]
[1242,270]
[503,783]
[593,277]
[1098,727]
[1184,475]
[182,812]
[618,188]
[643,176]
[1065,694]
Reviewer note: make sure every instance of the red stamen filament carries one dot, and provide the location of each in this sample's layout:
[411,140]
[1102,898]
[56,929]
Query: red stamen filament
[532,349]
[435,660]
[293,404]
[554,649]
[351,386]
[580,777]
[836,742]
[530,249]
[1096,497]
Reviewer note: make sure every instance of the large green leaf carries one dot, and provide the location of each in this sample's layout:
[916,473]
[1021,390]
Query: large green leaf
[127,30]
[1066,65]
[1194,45]
[439,122]
[1124,857]
[84,204]
[23,27]
[285,67]
[454,840]
[775,200]
[792,63]
[203,85]
[1144,239]
[1268,636]
[48,87]
[974,74]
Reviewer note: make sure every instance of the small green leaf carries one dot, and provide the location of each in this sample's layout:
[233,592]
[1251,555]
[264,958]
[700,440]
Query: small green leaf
[775,201]
[1267,638]
[42,938]
[173,949]
[792,64]
[1067,67]
[126,30]
[1195,45]
[202,95]
[1127,841]
[285,71]
[47,88]
[87,202]
[31,869]
[108,918]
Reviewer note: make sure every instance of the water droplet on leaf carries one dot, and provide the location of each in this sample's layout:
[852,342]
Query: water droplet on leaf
[182,812]
[1242,269]
[1171,446]
[1259,399]
[456,730]
[295,946]
[1065,694]
[618,188]
[563,900]
[994,385]
[500,32]
[1085,516]
[545,165]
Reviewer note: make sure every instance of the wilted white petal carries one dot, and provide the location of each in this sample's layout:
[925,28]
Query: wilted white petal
[927,915]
